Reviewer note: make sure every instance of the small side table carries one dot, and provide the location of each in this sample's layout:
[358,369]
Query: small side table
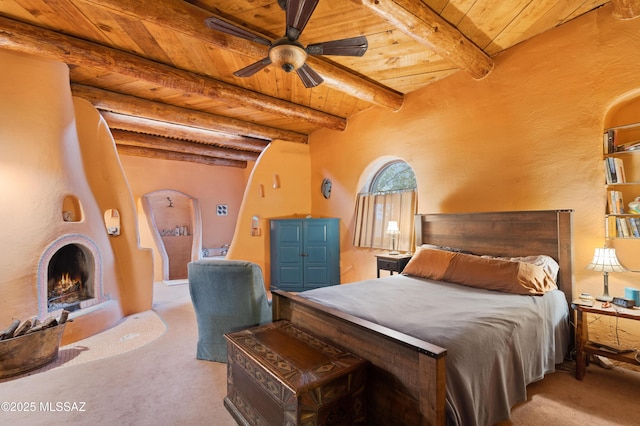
[392,262]
[584,347]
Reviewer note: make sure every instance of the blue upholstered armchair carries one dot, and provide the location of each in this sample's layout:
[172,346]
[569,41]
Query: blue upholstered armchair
[227,296]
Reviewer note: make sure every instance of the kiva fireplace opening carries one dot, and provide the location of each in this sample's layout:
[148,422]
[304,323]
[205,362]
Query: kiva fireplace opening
[70,278]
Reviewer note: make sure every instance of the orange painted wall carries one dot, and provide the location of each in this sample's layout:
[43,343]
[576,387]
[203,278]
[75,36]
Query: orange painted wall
[287,165]
[528,136]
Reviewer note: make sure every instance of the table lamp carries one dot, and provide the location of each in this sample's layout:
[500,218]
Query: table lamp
[393,231]
[605,260]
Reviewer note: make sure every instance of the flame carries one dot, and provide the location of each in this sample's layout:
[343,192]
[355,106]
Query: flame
[67,289]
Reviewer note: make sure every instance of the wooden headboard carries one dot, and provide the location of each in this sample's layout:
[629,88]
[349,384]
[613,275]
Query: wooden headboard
[517,233]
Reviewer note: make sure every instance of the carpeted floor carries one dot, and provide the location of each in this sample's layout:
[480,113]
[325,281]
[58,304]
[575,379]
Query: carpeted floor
[605,397]
[160,382]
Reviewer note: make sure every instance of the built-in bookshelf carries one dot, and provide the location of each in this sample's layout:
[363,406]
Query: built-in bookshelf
[621,147]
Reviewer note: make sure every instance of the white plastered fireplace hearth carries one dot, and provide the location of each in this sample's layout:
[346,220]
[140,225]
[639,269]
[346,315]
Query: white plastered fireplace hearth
[59,173]
[92,279]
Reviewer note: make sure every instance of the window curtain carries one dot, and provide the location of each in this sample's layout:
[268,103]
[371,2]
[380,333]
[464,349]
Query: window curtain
[373,213]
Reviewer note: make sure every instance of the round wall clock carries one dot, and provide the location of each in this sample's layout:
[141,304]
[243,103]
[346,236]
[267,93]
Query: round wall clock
[326,188]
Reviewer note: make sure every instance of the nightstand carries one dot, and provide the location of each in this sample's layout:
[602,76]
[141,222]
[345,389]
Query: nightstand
[584,347]
[392,262]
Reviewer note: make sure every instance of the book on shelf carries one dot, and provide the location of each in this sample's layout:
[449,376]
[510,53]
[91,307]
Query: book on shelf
[611,229]
[614,170]
[608,171]
[629,146]
[611,144]
[635,226]
[623,227]
[619,165]
[608,140]
[615,202]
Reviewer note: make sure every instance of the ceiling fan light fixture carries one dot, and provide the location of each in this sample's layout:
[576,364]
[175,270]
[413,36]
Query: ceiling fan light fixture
[287,56]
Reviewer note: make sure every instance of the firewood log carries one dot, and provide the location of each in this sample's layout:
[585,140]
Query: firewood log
[8,333]
[24,327]
[38,327]
[35,322]
[49,322]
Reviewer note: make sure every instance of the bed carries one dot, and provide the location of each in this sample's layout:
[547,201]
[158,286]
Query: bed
[415,379]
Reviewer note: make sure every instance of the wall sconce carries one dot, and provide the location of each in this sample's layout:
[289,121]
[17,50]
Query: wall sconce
[112,222]
[255,226]
[393,231]
[605,260]
[276,182]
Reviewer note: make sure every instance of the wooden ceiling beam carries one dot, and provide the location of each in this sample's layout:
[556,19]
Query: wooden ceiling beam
[417,20]
[131,105]
[123,137]
[180,16]
[626,9]
[33,40]
[158,154]
[180,132]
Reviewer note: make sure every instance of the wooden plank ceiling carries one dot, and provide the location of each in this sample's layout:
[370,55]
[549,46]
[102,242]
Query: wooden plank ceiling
[164,81]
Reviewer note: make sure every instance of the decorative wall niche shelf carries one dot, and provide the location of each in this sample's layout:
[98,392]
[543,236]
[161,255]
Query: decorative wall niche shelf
[71,209]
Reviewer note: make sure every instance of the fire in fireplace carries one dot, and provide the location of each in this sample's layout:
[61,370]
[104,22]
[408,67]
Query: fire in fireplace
[69,278]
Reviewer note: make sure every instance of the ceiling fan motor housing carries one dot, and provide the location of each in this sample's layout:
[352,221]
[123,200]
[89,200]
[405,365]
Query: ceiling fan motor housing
[288,55]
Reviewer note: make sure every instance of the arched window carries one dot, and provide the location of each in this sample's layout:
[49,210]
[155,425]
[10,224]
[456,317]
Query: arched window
[394,176]
[391,197]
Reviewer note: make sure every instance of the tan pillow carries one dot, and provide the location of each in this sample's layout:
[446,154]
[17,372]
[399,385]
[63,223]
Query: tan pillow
[429,263]
[500,275]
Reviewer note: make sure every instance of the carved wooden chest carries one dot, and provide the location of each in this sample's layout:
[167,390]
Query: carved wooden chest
[278,374]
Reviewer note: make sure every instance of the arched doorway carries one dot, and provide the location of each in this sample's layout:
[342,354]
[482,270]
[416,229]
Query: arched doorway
[176,227]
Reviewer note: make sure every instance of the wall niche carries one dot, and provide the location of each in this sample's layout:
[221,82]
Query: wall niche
[71,209]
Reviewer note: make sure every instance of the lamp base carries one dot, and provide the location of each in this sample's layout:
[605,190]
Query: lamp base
[604,298]
[394,252]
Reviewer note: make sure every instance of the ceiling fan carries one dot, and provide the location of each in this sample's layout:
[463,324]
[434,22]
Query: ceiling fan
[287,52]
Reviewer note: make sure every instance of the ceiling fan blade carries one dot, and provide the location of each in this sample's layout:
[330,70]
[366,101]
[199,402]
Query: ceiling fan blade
[298,14]
[355,46]
[309,77]
[218,24]
[250,70]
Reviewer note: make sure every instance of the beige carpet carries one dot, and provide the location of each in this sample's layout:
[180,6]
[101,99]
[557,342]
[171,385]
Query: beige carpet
[605,397]
[161,383]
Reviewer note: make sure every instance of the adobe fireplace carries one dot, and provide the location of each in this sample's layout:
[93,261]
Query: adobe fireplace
[68,279]
[61,175]
[70,276]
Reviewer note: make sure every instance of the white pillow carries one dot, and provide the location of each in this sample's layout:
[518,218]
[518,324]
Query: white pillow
[452,249]
[546,262]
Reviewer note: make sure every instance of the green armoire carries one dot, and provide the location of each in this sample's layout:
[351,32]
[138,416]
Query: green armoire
[305,253]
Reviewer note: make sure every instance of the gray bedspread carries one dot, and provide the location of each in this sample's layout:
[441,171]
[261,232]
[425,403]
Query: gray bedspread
[496,343]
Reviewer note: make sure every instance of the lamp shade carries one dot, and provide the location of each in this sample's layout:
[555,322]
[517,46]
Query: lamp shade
[605,259]
[392,227]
